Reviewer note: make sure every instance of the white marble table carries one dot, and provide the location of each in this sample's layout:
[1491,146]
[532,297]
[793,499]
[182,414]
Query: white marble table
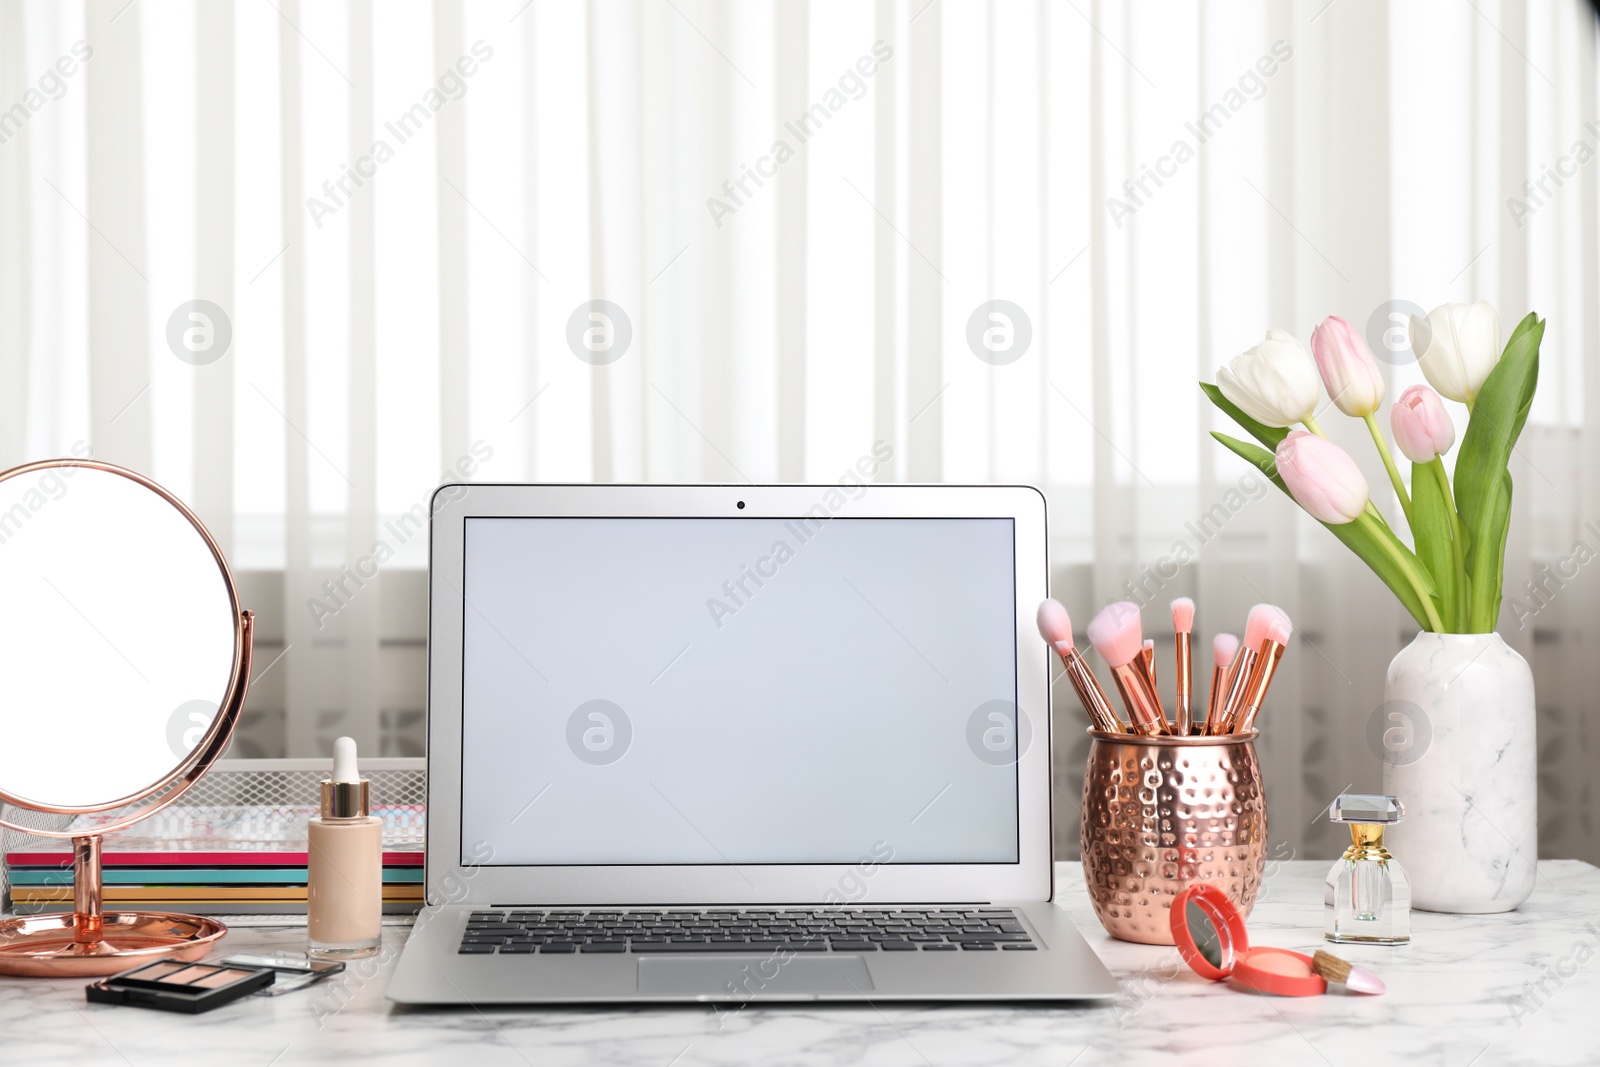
[1452,1000]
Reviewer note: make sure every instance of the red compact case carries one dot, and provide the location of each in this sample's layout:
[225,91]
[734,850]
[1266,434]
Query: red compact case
[1209,933]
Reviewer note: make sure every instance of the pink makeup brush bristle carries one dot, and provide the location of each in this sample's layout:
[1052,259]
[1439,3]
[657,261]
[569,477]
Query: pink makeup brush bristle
[1255,626]
[1055,625]
[1183,615]
[1279,628]
[1223,648]
[1115,633]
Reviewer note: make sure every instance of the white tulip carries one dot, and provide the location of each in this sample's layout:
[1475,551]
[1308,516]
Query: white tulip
[1458,346]
[1275,382]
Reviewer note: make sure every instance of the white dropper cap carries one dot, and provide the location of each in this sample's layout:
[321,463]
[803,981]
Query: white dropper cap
[344,760]
[345,795]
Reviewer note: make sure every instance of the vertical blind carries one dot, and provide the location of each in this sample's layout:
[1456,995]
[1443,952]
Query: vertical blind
[304,261]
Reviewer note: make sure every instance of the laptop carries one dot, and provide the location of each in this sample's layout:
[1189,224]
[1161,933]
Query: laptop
[739,744]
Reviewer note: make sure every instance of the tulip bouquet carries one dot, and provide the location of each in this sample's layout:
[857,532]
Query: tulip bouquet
[1450,578]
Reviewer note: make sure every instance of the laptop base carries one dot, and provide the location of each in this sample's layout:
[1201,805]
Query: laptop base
[433,971]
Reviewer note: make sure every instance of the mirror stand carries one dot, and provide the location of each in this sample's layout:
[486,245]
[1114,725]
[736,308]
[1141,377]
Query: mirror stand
[89,941]
[88,920]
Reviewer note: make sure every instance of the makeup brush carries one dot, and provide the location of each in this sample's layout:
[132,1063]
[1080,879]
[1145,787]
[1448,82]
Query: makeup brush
[1115,634]
[1355,979]
[1224,647]
[1255,632]
[1055,626]
[1273,644]
[1183,676]
[1147,663]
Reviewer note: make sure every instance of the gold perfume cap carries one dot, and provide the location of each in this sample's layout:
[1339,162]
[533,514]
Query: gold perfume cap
[344,796]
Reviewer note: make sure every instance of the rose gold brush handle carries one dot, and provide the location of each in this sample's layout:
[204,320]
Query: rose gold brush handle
[1143,709]
[1145,661]
[1238,682]
[1256,691]
[1221,686]
[1219,698]
[1183,682]
[1090,695]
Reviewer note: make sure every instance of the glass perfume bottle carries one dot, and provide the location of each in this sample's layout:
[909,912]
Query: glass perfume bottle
[1367,897]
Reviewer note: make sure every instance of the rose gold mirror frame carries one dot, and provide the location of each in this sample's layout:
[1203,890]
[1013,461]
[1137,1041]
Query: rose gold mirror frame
[89,941]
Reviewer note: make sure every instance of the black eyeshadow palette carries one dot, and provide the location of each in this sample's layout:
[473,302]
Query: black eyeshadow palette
[186,987]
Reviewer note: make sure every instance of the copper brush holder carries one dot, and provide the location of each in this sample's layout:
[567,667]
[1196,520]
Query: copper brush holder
[1160,813]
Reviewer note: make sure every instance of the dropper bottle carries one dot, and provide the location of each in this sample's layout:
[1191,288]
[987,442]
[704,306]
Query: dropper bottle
[344,876]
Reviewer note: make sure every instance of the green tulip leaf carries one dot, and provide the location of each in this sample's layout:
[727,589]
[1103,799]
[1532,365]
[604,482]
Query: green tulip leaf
[1432,527]
[1483,480]
[1364,538]
[1267,435]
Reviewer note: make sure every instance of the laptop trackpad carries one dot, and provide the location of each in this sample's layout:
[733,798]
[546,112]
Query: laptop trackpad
[741,979]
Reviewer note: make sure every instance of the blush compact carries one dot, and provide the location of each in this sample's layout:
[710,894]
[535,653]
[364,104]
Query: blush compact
[174,986]
[1210,935]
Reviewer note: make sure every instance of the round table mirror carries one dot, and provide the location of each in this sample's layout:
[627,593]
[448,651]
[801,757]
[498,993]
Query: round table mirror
[127,658]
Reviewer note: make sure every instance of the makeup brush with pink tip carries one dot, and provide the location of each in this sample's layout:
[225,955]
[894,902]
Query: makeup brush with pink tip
[1223,649]
[1147,663]
[1055,626]
[1256,625]
[1245,664]
[1116,635]
[1183,675]
[1275,639]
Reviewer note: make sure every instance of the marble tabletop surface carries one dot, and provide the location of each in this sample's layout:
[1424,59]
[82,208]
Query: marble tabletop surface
[1518,988]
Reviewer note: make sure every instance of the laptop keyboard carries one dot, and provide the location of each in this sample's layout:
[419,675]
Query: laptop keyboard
[512,931]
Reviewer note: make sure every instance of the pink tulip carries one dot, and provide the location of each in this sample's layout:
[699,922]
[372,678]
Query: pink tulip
[1322,478]
[1422,427]
[1347,367]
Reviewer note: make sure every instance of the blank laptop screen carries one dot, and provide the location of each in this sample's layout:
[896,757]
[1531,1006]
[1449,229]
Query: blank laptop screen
[740,691]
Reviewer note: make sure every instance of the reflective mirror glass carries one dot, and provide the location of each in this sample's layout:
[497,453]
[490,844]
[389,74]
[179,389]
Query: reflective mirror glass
[117,641]
[1210,936]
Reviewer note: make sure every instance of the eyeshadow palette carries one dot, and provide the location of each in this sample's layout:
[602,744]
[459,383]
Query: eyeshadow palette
[173,986]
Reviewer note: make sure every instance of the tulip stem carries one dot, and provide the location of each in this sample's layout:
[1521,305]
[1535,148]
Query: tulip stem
[1388,465]
[1458,544]
[1392,547]
[1310,423]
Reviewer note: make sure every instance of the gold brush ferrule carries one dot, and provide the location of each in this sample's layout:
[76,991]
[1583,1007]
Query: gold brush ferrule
[1219,700]
[1260,680]
[1182,686]
[1090,695]
[1238,681]
[1143,709]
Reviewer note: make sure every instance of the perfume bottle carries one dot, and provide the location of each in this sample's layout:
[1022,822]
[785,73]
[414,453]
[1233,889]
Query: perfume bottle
[344,875]
[1367,897]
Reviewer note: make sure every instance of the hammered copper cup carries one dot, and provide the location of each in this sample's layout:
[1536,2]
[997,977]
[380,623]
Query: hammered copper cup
[1162,812]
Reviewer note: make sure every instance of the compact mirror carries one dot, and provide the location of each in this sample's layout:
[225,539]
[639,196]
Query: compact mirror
[1211,938]
[127,659]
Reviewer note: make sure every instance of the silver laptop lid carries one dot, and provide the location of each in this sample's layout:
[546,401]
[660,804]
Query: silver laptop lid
[740,694]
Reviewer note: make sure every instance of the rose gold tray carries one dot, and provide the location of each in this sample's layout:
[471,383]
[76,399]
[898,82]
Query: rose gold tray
[47,945]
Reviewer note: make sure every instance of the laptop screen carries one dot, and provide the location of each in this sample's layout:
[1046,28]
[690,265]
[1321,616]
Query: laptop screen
[740,691]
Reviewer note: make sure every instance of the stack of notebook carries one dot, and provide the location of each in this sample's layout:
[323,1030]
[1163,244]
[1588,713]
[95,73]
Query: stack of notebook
[235,859]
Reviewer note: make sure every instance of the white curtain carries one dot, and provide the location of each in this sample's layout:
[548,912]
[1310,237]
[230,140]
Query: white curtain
[401,214]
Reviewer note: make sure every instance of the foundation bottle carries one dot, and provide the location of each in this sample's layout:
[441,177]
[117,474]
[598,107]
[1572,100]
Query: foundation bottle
[344,877]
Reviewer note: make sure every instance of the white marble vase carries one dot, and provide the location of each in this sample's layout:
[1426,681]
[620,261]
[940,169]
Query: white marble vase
[1457,731]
